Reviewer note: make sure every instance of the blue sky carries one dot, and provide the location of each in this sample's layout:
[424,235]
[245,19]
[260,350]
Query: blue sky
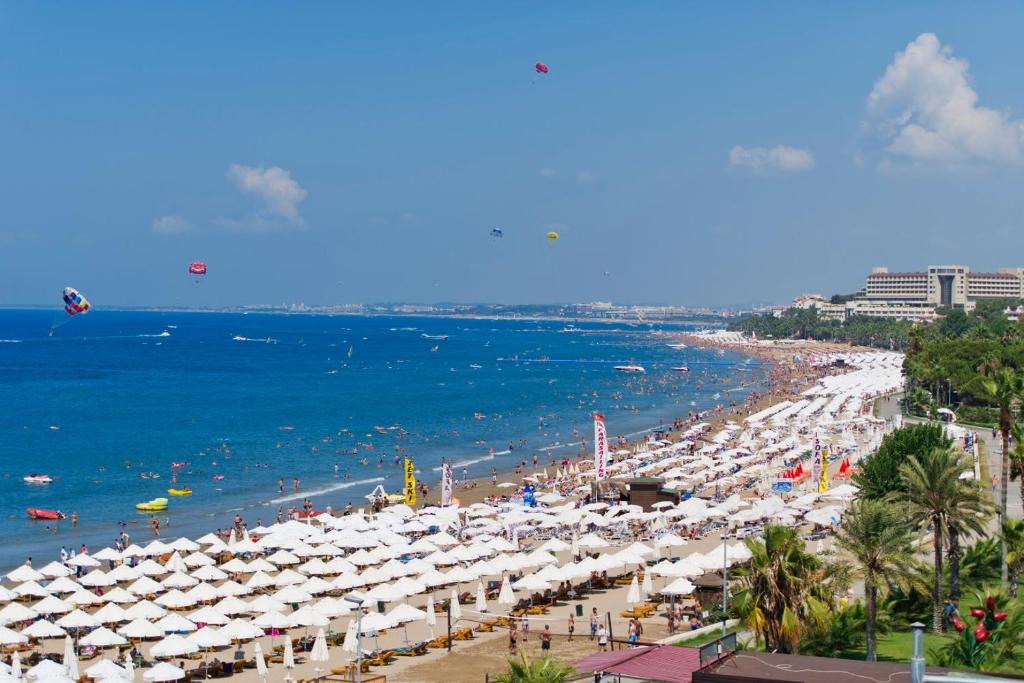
[711,153]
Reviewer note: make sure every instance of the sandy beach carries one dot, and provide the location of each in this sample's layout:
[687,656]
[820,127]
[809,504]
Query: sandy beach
[361,545]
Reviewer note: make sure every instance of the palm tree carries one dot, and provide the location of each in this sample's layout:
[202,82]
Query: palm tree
[779,587]
[934,493]
[1013,536]
[540,670]
[877,537]
[1003,387]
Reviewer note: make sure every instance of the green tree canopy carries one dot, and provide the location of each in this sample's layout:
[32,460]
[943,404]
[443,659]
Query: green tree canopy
[880,472]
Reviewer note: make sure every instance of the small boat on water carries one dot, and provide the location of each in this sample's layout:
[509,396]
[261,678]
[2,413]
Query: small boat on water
[38,479]
[442,337]
[39,513]
[630,368]
[677,347]
[681,368]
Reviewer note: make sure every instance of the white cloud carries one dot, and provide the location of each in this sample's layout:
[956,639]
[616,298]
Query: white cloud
[926,110]
[281,195]
[585,178]
[170,225]
[778,158]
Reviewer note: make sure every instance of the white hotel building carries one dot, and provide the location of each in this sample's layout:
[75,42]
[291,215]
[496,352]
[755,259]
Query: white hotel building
[916,295]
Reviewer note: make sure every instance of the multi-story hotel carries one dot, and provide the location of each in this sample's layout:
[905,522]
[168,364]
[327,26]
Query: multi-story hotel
[917,295]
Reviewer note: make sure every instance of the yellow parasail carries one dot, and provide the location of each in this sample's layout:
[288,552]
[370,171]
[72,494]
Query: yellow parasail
[552,235]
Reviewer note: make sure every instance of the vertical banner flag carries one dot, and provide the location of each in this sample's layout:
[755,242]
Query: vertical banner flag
[446,484]
[600,447]
[823,481]
[410,483]
[816,461]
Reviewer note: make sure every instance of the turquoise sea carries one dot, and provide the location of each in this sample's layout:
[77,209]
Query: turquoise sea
[239,401]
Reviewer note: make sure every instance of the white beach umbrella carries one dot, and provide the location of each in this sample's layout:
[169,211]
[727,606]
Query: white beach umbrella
[240,629]
[454,606]
[271,620]
[289,654]
[9,637]
[107,554]
[307,616]
[203,592]
[633,595]
[163,671]
[140,629]
[292,595]
[61,585]
[83,598]
[42,628]
[349,644]
[198,559]
[70,658]
[111,613]
[208,615]
[178,580]
[259,580]
[265,603]
[106,669]
[431,617]
[173,646]
[175,599]
[78,619]
[384,593]
[647,586]
[145,585]
[46,668]
[232,606]
[51,604]
[319,652]
[54,570]
[145,609]
[119,596]
[261,662]
[103,637]
[209,573]
[184,545]
[123,573]
[681,586]
[208,638]
[481,597]
[173,622]
[25,573]
[150,568]
[505,595]
[15,612]
[30,589]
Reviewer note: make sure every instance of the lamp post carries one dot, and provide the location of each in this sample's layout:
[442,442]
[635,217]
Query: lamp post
[358,602]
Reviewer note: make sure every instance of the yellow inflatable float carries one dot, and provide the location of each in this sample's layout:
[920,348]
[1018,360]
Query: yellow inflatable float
[155,505]
[180,492]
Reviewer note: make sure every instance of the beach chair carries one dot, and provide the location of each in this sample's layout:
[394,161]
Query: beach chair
[464,633]
[380,658]
[438,642]
[416,650]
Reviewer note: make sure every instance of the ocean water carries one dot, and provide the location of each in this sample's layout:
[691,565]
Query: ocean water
[239,401]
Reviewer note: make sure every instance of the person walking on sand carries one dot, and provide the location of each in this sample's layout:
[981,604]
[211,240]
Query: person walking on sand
[545,639]
[524,626]
[512,636]
[572,626]
[602,639]
[593,624]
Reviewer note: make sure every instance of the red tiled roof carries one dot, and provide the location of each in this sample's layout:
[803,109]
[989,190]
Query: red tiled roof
[651,662]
